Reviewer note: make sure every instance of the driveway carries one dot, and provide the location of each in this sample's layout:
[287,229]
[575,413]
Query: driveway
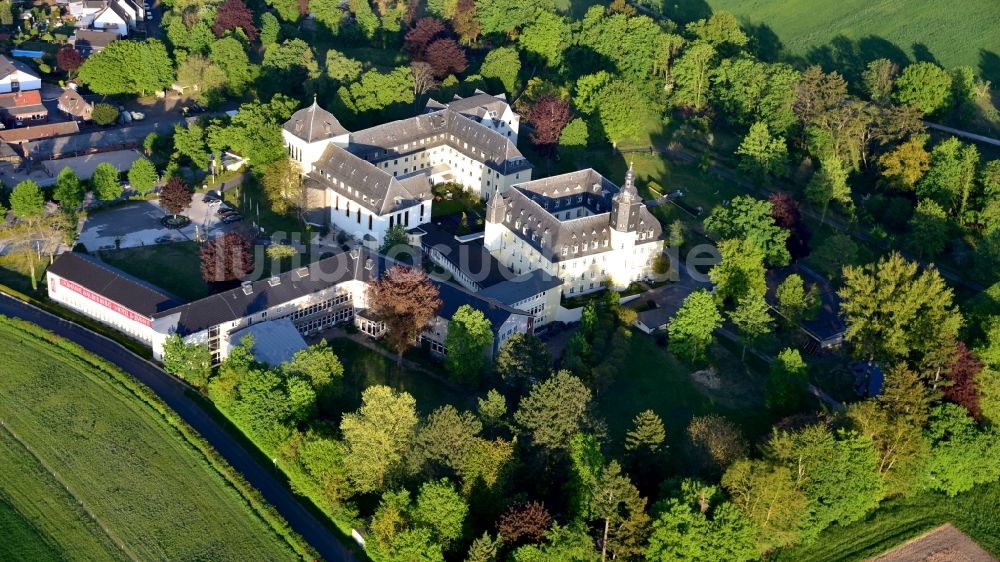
[175,394]
[137,223]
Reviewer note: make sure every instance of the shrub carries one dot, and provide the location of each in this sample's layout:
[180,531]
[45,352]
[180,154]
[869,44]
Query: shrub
[104,113]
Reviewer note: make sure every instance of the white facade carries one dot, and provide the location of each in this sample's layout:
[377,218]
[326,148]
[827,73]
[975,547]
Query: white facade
[74,296]
[108,20]
[19,81]
[307,153]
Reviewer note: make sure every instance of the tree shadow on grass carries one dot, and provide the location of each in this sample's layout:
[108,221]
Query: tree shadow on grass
[849,57]
[989,66]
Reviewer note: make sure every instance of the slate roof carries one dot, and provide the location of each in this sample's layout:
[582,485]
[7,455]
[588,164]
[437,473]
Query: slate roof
[94,40]
[111,283]
[523,286]
[9,66]
[475,106]
[39,132]
[528,209]
[453,297]
[445,127]
[73,103]
[275,341]
[118,10]
[314,124]
[236,303]
[471,258]
[371,187]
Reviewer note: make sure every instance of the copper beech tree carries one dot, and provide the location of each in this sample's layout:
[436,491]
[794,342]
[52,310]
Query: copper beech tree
[226,258]
[175,196]
[406,300]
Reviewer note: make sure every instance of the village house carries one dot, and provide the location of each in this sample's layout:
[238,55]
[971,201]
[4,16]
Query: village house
[22,108]
[72,104]
[15,76]
[365,182]
[90,41]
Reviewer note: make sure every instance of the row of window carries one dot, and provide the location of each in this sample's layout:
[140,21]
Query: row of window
[339,299]
[323,322]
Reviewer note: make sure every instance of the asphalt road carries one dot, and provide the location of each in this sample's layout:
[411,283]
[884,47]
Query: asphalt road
[172,392]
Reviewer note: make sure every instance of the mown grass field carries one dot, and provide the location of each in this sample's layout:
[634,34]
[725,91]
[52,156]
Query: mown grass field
[154,491]
[974,513]
[41,520]
[175,267]
[952,33]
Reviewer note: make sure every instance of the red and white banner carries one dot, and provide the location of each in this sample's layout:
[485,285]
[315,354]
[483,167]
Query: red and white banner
[106,303]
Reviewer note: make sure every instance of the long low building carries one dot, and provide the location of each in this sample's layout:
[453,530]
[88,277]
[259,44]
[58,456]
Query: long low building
[324,293]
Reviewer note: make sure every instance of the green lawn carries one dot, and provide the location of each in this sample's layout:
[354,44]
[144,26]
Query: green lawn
[15,272]
[249,199]
[132,469]
[174,267]
[974,512]
[953,33]
[41,520]
[654,379]
[364,367]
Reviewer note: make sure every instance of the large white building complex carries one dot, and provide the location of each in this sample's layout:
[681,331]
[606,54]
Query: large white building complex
[312,298]
[578,227]
[368,181]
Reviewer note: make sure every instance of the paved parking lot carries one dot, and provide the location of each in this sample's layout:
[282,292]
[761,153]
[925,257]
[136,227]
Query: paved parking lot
[137,223]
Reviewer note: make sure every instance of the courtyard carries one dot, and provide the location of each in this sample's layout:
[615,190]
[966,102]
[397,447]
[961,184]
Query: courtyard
[137,223]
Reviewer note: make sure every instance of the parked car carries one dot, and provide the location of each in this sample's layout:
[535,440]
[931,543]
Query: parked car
[214,202]
[165,239]
[225,211]
[235,217]
[137,115]
[210,195]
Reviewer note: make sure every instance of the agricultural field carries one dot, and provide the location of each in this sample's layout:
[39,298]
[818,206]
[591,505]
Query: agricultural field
[41,520]
[898,520]
[150,489]
[852,32]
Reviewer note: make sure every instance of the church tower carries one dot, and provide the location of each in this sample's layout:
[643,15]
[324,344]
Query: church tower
[496,211]
[625,206]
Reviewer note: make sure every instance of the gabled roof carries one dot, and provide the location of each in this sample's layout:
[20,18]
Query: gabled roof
[23,98]
[372,188]
[314,124]
[115,7]
[535,212]
[477,105]
[522,287]
[453,297]
[445,127]
[94,39]
[40,132]
[263,294]
[73,103]
[113,284]
[9,66]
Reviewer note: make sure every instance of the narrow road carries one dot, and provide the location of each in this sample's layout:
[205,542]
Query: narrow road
[172,392]
[963,134]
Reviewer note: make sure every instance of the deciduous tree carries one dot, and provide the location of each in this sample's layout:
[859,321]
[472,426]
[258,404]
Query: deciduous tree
[554,410]
[929,229]
[232,15]
[795,303]
[762,154]
[524,523]
[691,328]
[502,64]
[128,67]
[104,182]
[767,494]
[787,214]
[879,79]
[787,381]
[104,114]
[377,436]
[406,300]
[904,165]
[226,258]
[175,196]
[548,116]
[523,361]
[69,190]
[142,176]
[750,219]
[69,59]
[446,57]
[753,318]
[191,362]
[546,37]
[962,385]
[925,86]
[713,443]
[829,184]
[740,273]
[283,187]
[27,201]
